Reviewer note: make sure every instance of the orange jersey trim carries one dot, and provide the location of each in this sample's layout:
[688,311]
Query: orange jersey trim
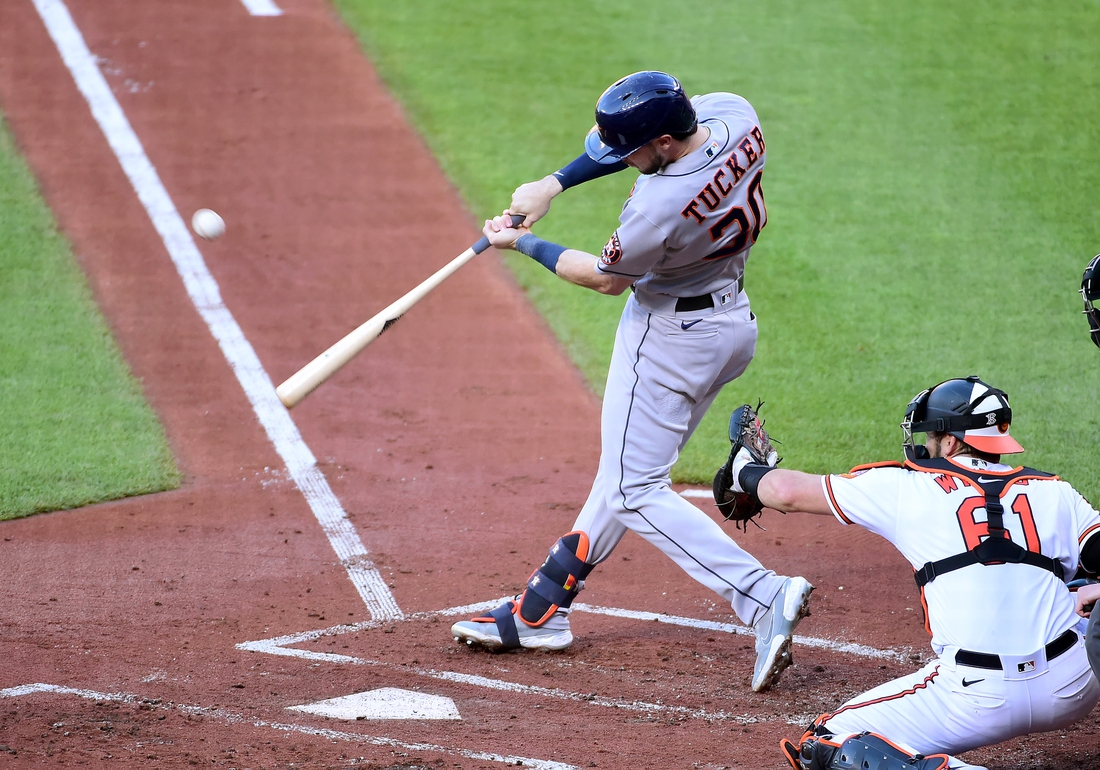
[1088,533]
[852,474]
[883,464]
[974,485]
[832,501]
[912,690]
[924,611]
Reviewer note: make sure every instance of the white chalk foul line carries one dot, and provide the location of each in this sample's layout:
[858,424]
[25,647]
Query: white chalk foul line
[700,493]
[204,293]
[262,7]
[683,712]
[847,648]
[229,717]
[280,645]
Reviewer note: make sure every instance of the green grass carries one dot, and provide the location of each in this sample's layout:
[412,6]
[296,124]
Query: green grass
[74,425]
[931,185]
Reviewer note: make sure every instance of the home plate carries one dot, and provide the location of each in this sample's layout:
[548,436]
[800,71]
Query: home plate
[385,703]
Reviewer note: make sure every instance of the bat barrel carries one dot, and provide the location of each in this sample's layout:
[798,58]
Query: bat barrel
[305,380]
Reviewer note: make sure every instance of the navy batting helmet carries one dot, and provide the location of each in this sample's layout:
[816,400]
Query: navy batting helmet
[972,411]
[636,110]
[1090,292]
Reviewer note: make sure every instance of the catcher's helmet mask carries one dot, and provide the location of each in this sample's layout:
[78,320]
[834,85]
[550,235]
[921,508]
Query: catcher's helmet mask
[1090,293]
[634,111]
[972,411]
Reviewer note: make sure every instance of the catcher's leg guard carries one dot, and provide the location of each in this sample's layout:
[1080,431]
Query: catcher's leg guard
[865,751]
[557,582]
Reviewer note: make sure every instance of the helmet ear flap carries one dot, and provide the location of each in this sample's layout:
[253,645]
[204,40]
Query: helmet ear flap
[914,413]
[918,406]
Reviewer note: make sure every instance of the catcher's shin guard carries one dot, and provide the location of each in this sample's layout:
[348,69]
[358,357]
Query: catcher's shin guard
[557,582]
[866,751]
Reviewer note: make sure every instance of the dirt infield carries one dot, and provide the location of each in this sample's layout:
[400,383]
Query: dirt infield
[176,629]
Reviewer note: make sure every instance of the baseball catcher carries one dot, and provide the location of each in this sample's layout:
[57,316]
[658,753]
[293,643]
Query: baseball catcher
[992,547]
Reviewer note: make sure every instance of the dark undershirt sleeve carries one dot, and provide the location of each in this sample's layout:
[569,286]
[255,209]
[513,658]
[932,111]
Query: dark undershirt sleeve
[1090,555]
[584,169]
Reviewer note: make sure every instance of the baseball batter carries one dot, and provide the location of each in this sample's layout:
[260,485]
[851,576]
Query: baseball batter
[683,239]
[992,546]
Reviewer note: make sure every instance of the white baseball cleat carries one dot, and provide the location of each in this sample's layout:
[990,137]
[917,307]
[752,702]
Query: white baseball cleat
[503,629]
[775,629]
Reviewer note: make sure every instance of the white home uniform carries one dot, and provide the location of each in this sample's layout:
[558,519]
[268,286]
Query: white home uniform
[684,235]
[1006,616]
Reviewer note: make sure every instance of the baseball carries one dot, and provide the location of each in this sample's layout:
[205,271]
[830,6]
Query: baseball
[207,224]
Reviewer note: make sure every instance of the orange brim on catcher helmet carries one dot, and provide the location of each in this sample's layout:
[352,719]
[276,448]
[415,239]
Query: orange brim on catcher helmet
[994,441]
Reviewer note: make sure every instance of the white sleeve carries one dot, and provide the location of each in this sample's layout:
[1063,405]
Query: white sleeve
[1086,518]
[868,497]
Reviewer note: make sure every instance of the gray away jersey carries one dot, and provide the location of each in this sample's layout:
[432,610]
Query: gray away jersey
[687,229]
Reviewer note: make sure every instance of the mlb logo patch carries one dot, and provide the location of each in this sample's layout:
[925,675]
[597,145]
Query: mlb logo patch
[712,150]
[1026,666]
[726,296]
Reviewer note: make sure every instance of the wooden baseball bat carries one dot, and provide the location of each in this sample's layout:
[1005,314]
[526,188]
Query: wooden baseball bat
[309,377]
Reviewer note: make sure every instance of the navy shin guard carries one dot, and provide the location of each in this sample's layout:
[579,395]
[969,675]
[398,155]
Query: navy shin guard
[555,584]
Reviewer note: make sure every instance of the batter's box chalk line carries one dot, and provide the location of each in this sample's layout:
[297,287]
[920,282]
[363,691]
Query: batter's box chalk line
[232,718]
[282,645]
[205,295]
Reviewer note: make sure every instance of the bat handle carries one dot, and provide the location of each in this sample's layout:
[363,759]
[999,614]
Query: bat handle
[481,245]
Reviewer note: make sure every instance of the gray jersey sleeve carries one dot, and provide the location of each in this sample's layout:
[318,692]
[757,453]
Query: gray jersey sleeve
[646,246]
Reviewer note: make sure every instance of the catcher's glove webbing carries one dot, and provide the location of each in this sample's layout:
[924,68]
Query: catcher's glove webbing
[751,444]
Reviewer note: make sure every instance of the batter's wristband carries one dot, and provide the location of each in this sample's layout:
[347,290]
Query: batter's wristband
[543,252]
[750,475]
[584,169]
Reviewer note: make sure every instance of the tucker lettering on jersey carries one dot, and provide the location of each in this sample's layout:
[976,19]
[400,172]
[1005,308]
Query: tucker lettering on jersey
[712,194]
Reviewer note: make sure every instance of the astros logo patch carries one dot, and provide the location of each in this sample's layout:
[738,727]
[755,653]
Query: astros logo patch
[612,251]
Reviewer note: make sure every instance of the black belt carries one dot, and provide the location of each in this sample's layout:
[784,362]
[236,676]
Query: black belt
[687,304]
[985,660]
[703,301]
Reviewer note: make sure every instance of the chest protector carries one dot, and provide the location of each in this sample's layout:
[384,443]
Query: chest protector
[998,548]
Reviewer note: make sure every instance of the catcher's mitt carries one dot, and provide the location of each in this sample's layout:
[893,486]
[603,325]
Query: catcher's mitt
[746,433]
